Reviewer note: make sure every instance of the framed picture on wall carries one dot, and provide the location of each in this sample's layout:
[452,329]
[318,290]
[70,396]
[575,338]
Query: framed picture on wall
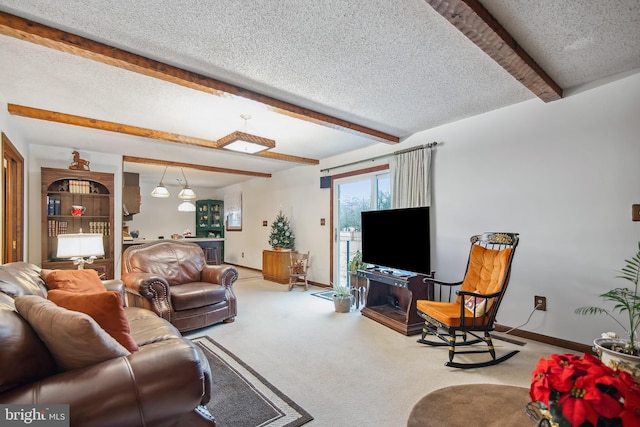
[233,211]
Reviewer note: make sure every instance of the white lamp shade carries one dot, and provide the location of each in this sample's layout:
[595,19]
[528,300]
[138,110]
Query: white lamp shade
[245,143]
[160,191]
[187,193]
[245,146]
[186,206]
[80,245]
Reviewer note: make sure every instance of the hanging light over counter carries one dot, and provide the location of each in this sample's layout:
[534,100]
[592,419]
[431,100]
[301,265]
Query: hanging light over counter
[186,193]
[160,190]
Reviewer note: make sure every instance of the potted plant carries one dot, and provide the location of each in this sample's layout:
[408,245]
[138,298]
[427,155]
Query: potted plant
[622,353]
[573,390]
[355,264]
[357,283]
[341,298]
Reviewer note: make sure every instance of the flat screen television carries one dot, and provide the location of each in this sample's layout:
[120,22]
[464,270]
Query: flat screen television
[397,240]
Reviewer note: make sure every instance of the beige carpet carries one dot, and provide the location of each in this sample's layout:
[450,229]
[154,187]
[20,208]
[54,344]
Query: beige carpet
[343,368]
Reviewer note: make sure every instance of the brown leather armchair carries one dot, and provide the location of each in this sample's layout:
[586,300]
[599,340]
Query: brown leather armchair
[172,279]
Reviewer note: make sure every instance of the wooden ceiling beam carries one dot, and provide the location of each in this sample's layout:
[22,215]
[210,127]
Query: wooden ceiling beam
[24,29]
[145,161]
[475,22]
[69,119]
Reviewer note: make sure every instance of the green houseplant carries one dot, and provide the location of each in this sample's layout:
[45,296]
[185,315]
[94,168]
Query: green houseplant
[354,265]
[625,300]
[356,283]
[356,262]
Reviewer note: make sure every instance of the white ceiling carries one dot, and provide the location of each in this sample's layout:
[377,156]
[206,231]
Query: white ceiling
[397,67]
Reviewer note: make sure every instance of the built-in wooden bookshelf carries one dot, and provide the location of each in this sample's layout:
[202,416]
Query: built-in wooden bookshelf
[61,190]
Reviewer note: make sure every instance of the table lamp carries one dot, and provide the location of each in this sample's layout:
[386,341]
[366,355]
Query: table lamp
[82,248]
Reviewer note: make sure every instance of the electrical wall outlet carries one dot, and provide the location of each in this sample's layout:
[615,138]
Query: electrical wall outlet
[540,303]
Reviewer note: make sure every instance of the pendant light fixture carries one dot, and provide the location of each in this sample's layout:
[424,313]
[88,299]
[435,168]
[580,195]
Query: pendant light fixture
[161,190]
[244,142]
[186,206]
[186,193]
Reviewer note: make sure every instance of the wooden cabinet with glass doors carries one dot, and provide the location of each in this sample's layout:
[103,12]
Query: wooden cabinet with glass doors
[92,193]
[210,222]
[209,218]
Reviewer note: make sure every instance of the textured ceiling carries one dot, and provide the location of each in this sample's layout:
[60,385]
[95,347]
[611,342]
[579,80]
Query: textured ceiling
[397,67]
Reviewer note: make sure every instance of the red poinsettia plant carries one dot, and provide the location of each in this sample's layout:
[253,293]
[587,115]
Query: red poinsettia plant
[582,391]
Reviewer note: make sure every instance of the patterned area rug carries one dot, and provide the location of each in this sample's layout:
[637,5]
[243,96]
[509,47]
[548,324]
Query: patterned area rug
[243,398]
[324,294]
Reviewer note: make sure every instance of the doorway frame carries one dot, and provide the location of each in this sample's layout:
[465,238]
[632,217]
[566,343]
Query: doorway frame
[13,202]
[333,233]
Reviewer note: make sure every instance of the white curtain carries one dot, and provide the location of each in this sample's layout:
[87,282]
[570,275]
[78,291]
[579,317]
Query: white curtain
[411,178]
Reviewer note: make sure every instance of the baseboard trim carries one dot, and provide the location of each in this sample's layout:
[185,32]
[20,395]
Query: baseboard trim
[244,266]
[570,345]
[257,270]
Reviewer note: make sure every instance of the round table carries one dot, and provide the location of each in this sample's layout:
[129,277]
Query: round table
[468,405]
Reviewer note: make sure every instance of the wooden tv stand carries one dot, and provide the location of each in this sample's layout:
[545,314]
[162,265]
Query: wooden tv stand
[403,317]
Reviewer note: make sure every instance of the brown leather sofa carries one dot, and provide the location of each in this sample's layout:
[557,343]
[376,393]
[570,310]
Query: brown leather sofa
[172,279]
[166,382]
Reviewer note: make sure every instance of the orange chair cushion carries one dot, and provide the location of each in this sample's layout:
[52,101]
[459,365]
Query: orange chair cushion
[485,275]
[448,313]
[486,271]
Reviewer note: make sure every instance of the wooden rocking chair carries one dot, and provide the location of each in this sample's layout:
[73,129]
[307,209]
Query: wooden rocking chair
[472,308]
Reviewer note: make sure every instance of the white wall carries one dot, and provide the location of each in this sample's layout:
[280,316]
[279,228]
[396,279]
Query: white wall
[160,217]
[298,195]
[564,175]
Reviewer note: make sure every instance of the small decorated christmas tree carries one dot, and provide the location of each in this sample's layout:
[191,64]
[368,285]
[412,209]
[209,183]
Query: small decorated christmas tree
[281,233]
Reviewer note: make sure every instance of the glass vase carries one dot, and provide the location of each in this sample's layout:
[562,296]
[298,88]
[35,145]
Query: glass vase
[539,414]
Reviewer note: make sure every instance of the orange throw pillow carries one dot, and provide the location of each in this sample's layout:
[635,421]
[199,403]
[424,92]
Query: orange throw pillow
[106,308]
[79,281]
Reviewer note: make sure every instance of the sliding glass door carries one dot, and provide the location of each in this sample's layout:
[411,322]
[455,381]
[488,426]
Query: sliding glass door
[353,195]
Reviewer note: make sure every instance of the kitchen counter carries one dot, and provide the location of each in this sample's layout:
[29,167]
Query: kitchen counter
[186,239]
[213,247]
